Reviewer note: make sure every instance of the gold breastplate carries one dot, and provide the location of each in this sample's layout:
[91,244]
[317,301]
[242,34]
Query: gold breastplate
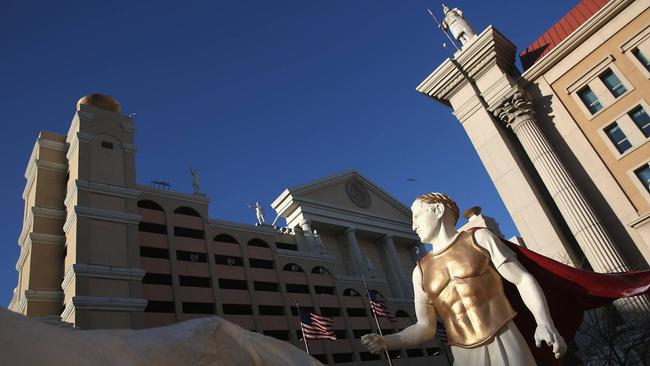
[467,292]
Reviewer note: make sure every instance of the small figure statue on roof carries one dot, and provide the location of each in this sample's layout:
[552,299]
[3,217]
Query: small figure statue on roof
[196,185]
[259,213]
[455,22]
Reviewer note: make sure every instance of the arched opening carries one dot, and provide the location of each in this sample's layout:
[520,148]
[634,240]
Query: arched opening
[187,211]
[257,243]
[350,292]
[292,267]
[225,238]
[149,204]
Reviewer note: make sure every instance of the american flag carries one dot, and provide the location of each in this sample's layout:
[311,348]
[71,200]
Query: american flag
[378,305]
[315,326]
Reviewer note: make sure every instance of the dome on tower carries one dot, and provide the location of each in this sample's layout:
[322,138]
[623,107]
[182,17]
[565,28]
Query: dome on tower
[100,101]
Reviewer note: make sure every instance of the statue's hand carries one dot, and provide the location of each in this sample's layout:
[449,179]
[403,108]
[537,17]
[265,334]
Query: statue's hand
[552,337]
[374,342]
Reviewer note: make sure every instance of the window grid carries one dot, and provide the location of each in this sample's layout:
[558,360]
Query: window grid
[643,173]
[590,100]
[618,138]
[641,119]
[642,58]
[613,83]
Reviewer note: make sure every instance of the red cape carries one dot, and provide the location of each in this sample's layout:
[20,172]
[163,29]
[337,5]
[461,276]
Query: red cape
[569,292]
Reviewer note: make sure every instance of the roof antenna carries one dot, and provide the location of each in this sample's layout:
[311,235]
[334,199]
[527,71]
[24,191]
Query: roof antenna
[443,31]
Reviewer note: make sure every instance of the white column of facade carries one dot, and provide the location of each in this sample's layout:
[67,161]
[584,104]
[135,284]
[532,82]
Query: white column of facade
[355,250]
[395,263]
[517,113]
[305,225]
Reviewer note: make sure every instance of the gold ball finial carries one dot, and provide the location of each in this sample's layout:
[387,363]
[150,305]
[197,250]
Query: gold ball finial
[102,101]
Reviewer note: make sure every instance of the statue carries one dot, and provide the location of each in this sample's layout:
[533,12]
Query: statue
[464,268]
[196,185]
[487,321]
[457,25]
[259,213]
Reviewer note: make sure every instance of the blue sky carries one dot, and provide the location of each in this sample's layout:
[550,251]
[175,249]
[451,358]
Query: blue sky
[256,95]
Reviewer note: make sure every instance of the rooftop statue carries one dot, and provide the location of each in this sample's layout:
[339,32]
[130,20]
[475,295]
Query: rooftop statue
[196,185]
[259,213]
[455,22]
[489,321]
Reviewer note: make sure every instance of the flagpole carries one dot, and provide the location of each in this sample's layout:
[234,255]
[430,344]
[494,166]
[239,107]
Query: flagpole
[302,330]
[443,31]
[365,284]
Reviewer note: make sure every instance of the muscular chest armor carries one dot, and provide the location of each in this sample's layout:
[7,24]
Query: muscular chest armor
[466,291]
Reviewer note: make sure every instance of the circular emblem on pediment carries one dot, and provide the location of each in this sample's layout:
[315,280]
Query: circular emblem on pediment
[358,193]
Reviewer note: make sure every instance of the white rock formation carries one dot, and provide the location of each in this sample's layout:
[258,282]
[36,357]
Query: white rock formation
[203,341]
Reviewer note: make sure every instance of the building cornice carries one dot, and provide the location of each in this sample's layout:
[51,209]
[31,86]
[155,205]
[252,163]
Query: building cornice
[188,197]
[575,39]
[295,254]
[26,246]
[102,303]
[76,140]
[490,48]
[99,271]
[39,164]
[101,188]
[357,280]
[44,295]
[103,215]
[43,212]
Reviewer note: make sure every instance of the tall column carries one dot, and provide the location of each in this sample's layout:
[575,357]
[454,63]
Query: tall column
[395,263]
[517,113]
[355,250]
[308,233]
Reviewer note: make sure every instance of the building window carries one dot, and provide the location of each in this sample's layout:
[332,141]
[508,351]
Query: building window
[187,211]
[321,357]
[282,335]
[642,58]
[148,227]
[188,233]
[151,252]
[358,333]
[433,351]
[330,311]
[157,279]
[641,119]
[237,309]
[590,100]
[198,308]
[107,145]
[643,174]
[341,333]
[324,290]
[260,263]
[286,246]
[228,261]
[292,267]
[225,238]
[294,312]
[232,284]
[613,83]
[266,286]
[159,307]
[258,243]
[297,289]
[342,357]
[618,138]
[414,352]
[271,310]
[151,205]
[357,312]
[183,255]
[367,356]
[193,281]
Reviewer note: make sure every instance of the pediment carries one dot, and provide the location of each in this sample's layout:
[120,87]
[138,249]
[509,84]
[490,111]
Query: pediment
[349,192]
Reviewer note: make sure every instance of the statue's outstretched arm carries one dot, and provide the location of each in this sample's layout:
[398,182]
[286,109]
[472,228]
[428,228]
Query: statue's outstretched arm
[512,271]
[423,330]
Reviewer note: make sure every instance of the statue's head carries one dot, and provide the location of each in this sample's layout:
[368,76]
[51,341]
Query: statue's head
[430,210]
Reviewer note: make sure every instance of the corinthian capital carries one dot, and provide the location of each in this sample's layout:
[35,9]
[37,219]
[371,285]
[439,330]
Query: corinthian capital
[515,109]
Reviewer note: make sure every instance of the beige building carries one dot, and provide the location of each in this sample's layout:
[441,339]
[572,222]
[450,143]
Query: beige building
[101,251]
[566,141]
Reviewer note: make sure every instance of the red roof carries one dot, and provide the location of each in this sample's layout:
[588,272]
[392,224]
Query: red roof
[559,31]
